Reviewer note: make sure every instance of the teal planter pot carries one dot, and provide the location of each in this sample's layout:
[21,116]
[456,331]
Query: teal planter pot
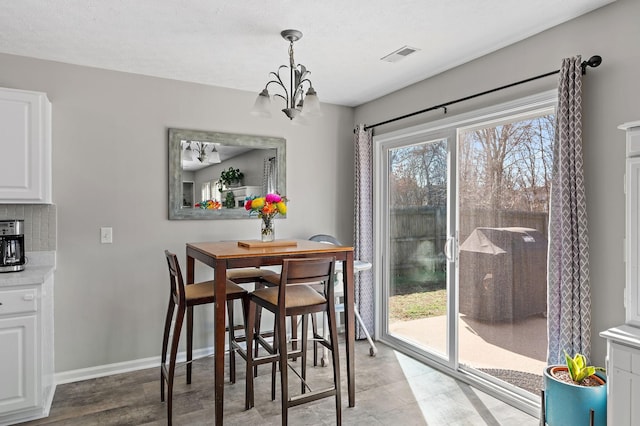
[567,404]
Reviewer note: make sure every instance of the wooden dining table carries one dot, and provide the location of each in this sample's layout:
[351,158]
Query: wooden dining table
[225,255]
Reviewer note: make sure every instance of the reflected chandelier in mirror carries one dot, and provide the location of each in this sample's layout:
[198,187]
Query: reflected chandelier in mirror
[197,159]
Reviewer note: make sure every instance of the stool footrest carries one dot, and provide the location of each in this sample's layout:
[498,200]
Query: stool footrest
[311,396]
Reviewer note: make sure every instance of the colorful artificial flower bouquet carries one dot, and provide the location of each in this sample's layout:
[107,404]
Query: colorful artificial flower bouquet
[209,204]
[267,208]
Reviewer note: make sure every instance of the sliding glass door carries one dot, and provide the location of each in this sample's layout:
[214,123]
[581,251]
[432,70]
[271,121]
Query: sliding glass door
[462,213]
[504,182]
[417,216]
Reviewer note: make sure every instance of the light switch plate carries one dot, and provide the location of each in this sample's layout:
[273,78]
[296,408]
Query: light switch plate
[106,235]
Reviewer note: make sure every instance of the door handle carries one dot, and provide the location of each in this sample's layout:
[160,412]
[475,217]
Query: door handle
[448,248]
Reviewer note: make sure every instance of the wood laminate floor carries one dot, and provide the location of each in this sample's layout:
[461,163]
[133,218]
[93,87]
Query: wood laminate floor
[392,389]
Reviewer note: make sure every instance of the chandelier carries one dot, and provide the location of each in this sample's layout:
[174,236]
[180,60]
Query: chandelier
[293,94]
[201,151]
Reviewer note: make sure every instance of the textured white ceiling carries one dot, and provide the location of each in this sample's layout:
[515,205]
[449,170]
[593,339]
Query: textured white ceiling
[236,43]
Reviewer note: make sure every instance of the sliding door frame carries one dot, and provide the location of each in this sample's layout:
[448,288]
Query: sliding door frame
[444,129]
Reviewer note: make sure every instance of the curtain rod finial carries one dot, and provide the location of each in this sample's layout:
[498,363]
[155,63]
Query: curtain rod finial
[593,62]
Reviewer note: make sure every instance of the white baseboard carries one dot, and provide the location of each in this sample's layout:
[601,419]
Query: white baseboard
[121,367]
[125,367]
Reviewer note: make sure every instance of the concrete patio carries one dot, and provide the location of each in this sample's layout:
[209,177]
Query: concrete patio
[519,345]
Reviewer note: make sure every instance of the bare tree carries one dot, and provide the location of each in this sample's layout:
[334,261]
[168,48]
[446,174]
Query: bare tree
[419,175]
[512,164]
[501,167]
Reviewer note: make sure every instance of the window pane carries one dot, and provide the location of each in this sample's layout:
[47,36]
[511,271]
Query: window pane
[417,214]
[504,174]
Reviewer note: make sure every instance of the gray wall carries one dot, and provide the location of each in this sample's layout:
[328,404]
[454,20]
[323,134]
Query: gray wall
[110,144]
[611,96]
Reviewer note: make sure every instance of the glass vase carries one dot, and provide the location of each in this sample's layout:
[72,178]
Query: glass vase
[267,230]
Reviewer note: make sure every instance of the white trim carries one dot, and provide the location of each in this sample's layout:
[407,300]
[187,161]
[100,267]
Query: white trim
[121,367]
[48,399]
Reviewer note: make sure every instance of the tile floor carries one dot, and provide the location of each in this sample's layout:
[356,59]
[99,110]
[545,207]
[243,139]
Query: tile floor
[392,389]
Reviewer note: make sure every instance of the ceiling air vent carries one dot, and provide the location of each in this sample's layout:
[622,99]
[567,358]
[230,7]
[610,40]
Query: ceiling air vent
[399,54]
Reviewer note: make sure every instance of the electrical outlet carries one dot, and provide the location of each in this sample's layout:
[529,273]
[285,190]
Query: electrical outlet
[106,235]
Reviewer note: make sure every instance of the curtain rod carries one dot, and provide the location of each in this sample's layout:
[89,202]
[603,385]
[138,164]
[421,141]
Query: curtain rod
[593,62]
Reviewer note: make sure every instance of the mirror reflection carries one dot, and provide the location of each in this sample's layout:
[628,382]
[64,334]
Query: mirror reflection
[211,173]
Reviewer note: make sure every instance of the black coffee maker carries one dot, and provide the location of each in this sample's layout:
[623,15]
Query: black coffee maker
[11,245]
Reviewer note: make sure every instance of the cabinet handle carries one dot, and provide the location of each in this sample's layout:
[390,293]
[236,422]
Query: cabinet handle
[27,297]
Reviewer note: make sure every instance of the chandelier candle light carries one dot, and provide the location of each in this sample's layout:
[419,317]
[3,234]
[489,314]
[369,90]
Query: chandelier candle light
[267,208]
[203,152]
[293,96]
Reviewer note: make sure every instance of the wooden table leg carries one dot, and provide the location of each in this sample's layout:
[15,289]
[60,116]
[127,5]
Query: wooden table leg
[350,332]
[190,280]
[219,330]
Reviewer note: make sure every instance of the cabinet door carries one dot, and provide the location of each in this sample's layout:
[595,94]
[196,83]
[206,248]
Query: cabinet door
[633,240]
[25,143]
[634,397]
[18,367]
[619,397]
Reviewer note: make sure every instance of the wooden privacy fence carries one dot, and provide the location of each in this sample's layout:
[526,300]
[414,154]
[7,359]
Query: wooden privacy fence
[418,234]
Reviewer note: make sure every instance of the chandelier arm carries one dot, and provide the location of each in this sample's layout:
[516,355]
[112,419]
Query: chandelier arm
[279,95]
[300,87]
[298,93]
[279,82]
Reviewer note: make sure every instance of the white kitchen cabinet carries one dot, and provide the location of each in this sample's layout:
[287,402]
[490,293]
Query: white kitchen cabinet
[623,342]
[18,367]
[623,375]
[632,189]
[25,147]
[26,349]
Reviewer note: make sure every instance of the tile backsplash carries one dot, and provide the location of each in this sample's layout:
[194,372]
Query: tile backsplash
[40,224]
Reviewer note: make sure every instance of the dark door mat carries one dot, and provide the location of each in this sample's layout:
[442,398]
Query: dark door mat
[528,381]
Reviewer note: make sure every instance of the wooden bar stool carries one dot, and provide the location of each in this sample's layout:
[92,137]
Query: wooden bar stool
[294,296]
[256,276]
[182,299]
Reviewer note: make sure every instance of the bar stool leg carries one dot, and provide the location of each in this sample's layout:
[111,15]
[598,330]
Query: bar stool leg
[189,342]
[165,346]
[333,338]
[304,345]
[249,333]
[283,358]
[232,338]
[172,364]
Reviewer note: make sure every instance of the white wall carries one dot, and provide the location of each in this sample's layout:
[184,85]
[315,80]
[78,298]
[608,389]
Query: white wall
[110,144]
[611,96]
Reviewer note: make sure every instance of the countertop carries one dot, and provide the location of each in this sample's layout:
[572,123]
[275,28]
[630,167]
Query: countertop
[625,334]
[40,266]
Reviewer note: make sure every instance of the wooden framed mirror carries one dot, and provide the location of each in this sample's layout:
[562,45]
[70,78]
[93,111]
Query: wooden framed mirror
[196,162]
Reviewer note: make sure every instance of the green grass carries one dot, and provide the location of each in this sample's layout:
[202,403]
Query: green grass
[418,294]
[419,305]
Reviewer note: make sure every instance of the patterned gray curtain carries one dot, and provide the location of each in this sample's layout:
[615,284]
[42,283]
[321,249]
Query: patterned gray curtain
[568,299]
[363,225]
